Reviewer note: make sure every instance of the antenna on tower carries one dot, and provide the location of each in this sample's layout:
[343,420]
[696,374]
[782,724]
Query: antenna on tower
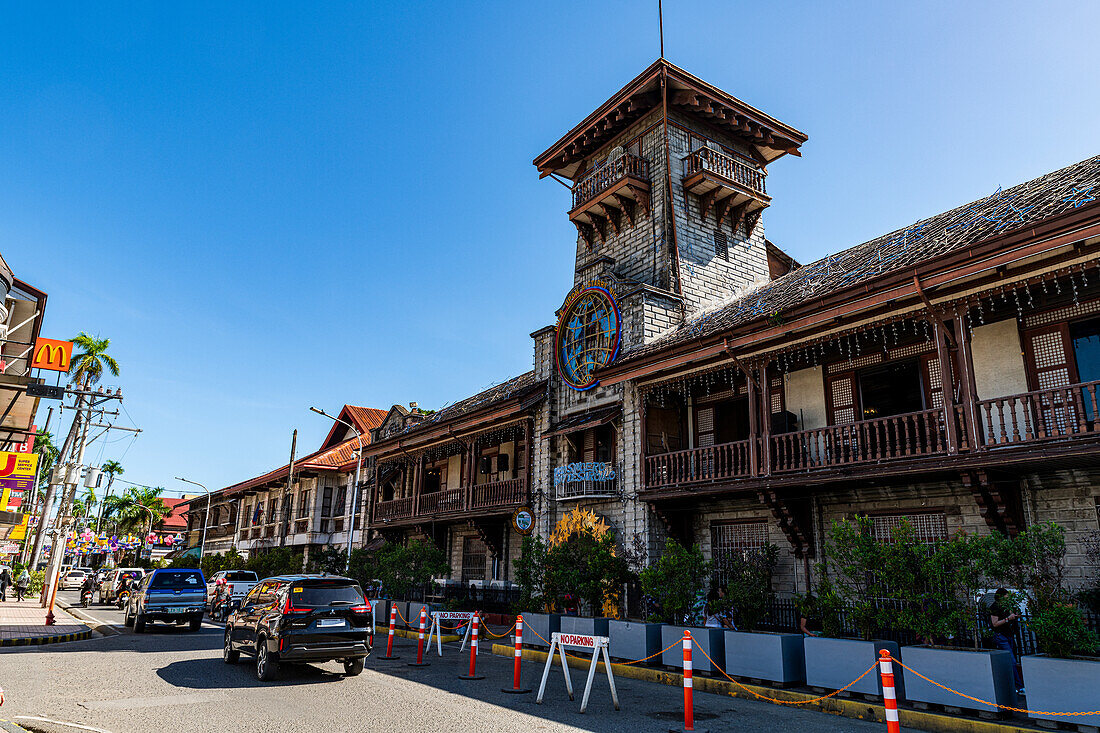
[661,26]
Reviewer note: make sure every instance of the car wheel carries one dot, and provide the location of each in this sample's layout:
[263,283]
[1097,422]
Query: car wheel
[353,667]
[139,624]
[127,619]
[267,667]
[229,654]
[196,624]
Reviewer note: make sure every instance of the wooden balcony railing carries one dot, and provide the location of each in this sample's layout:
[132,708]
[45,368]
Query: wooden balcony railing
[713,463]
[727,167]
[1042,415]
[602,177]
[884,438]
[579,480]
[499,493]
[394,509]
[447,500]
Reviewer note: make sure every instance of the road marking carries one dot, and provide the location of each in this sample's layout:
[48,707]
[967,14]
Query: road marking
[59,722]
[150,702]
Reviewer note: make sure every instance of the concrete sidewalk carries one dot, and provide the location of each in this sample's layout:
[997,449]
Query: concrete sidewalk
[23,623]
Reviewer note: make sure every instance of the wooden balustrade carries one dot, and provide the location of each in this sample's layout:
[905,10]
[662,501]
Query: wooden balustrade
[499,493]
[885,438]
[603,176]
[394,509]
[445,500]
[1045,414]
[725,166]
[714,463]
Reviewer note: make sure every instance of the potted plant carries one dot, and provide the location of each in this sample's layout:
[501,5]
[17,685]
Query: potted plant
[854,560]
[585,568]
[530,574]
[777,657]
[676,586]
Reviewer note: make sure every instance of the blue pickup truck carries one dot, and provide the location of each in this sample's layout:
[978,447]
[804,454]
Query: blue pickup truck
[169,594]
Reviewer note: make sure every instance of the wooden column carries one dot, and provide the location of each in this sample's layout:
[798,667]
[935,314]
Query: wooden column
[947,389]
[754,422]
[528,455]
[416,485]
[974,434]
[766,424]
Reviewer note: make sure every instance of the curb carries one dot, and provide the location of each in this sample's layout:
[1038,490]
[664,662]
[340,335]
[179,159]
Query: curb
[39,640]
[10,727]
[846,707]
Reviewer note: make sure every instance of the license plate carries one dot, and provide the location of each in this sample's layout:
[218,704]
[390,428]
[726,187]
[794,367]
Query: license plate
[330,622]
[177,609]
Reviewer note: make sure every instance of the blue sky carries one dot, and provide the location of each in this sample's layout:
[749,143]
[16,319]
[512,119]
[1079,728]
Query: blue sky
[269,206]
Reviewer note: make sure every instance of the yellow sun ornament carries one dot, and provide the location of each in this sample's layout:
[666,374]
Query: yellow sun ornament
[585,521]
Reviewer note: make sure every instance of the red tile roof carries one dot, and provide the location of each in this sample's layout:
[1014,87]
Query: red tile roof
[175,519]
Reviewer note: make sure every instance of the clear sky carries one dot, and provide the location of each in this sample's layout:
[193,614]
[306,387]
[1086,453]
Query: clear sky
[272,206]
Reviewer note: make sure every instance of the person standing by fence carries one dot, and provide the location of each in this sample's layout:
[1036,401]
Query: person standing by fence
[1004,619]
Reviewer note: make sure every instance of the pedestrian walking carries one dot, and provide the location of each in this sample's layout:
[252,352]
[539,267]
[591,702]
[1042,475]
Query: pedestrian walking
[5,581]
[1005,620]
[22,582]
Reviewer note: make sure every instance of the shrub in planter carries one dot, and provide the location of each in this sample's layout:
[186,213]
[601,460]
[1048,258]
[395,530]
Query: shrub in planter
[1060,631]
[586,567]
[748,585]
[530,575]
[675,582]
[985,674]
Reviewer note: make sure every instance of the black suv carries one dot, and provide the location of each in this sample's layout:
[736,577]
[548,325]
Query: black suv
[301,618]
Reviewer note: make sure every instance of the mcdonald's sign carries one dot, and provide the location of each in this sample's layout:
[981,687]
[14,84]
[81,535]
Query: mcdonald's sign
[51,354]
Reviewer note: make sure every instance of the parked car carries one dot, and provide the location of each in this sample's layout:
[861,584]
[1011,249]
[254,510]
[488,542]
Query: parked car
[72,580]
[301,618]
[175,595]
[237,585]
[108,589]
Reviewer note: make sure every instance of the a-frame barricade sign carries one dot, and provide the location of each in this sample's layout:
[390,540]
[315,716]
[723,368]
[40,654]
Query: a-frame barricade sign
[438,616]
[598,645]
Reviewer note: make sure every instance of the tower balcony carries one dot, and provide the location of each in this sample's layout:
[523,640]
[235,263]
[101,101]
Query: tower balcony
[731,186]
[611,197]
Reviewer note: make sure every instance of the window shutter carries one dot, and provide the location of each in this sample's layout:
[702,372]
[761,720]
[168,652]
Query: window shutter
[1050,356]
[704,421]
[589,446]
[842,400]
[721,245]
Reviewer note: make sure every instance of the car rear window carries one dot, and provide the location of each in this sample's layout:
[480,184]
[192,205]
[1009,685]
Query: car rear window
[240,575]
[182,579]
[325,594]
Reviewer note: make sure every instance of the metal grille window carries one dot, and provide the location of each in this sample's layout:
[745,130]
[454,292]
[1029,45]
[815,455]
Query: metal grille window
[930,527]
[326,502]
[732,540]
[473,559]
[303,504]
[721,246]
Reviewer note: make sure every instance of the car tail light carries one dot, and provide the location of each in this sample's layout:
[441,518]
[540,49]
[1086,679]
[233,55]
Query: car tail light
[360,609]
[281,644]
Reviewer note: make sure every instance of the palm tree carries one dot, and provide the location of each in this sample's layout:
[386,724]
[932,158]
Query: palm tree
[87,367]
[112,469]
[127,512]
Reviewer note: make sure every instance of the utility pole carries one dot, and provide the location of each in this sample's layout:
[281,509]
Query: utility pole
[289,487]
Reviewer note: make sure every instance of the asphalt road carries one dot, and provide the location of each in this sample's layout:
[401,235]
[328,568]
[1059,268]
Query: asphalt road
[172,679]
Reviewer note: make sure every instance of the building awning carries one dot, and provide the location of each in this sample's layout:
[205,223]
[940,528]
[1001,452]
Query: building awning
[585,420]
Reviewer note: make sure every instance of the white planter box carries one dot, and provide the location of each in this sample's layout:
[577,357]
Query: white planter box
[985,674]
[711,641]
[584,625]
[1062,685]
[774,657]
[631,640]
[833,663]
[413,616]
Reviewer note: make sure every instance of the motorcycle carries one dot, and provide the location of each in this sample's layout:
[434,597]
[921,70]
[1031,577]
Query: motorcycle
[86,598]
[123,597]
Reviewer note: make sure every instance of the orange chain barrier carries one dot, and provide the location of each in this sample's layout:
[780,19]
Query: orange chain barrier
[991,704]
[787,702]
[499,636]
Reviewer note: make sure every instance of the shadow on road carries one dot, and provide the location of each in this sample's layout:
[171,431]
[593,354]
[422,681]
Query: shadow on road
[201,674]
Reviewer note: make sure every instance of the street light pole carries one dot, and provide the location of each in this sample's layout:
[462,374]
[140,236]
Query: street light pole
[355,488]
[206,520]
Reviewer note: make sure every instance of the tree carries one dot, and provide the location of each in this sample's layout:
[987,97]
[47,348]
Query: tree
[587,567]
[128,514]
[675,581]
[749,585]
[87,367]
[859,565]
[402,568]
[530,571]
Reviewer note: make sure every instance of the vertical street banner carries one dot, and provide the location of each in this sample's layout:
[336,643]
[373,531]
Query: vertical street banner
[16,477]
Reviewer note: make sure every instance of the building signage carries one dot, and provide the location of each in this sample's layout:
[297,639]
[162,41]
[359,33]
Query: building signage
[584,472]
[523,520]
[16,477]
[51,354]
[588,335]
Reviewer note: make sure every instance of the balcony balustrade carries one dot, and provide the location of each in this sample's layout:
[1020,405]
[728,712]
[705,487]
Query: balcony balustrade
[609,174]
[584,480]
[487,496]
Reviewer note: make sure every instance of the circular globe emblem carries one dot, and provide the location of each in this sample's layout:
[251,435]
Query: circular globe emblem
[588,336]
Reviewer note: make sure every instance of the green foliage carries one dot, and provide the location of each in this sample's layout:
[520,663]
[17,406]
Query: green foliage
[1033,560]
[825,604]
[363,567]
[530,574]
[857,560]
[401,568]
[88,366]
[1060,631]
[675,580]
[38,579]
[279,561]
[586,567]
[329,560]
[187,561]
[749,586]
[231,560]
